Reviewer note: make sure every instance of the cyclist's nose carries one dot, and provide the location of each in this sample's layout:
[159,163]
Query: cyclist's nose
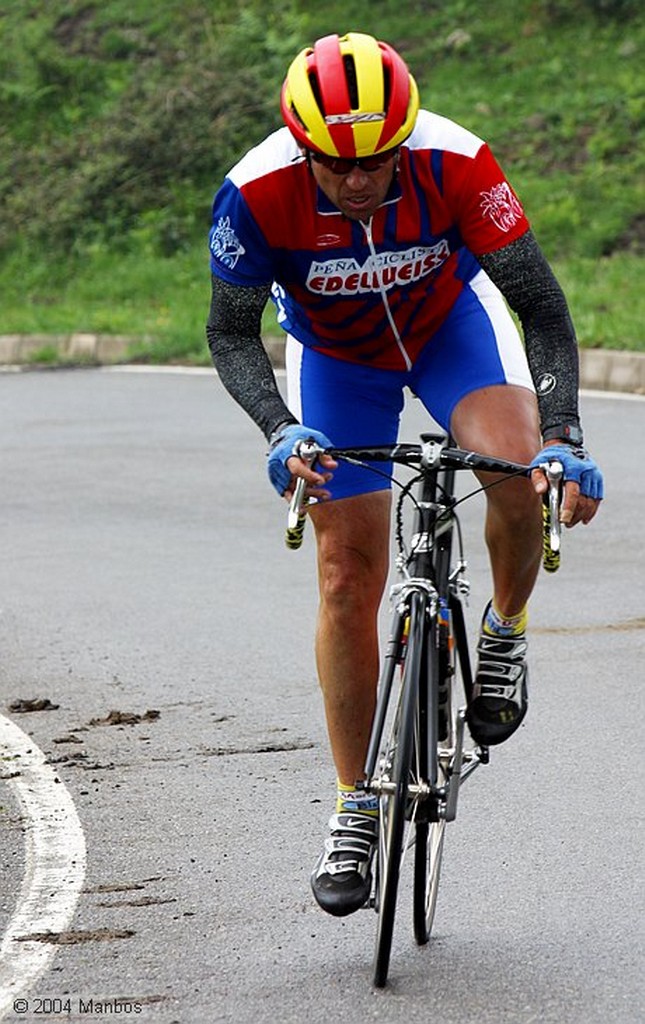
[357,178]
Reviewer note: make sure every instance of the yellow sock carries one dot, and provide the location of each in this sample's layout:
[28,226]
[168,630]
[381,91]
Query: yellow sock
[355,798]
[496,624]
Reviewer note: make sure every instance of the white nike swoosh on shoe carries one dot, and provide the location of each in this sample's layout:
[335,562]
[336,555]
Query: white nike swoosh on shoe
[358,822]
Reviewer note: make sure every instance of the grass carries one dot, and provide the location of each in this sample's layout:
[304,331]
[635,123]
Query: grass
[163,303]
[165,300]
[606,299]
[556,87]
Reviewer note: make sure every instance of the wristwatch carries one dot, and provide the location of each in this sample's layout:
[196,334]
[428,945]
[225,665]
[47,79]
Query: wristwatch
[570,433]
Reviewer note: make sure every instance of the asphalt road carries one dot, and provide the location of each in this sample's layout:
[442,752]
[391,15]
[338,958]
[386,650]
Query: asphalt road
[143,571]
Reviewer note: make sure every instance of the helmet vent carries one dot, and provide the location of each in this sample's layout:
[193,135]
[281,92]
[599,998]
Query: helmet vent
[387,80]
[297,116]
[352,83]
[315,88]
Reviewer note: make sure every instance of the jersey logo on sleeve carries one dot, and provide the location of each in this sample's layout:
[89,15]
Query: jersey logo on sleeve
[225,245]
[501,206]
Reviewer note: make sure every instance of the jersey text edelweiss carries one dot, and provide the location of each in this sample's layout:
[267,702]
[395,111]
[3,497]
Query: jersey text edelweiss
[332,276]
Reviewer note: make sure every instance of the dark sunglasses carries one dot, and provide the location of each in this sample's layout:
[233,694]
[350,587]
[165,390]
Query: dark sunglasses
[343,165]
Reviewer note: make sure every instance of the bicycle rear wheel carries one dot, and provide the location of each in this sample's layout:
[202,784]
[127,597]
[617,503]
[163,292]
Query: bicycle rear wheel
[395,768]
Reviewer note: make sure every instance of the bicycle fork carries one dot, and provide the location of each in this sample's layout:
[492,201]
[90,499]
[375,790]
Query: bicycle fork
[434,797]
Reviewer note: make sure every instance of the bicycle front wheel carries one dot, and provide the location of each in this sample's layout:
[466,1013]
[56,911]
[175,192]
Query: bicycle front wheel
[435,736]
[395,761]
[428,852]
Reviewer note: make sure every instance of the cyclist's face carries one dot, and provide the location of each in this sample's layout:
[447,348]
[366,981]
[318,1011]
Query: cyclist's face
[358,193]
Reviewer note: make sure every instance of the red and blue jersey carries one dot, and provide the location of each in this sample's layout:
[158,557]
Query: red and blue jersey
[337,283]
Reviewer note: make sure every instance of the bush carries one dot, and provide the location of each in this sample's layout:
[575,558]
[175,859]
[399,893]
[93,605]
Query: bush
[186,109]
[571,10]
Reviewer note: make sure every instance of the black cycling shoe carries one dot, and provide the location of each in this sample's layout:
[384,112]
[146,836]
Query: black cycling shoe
[342,878]
[500,696]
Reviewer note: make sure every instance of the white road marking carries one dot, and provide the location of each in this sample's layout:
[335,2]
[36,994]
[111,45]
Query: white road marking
[625,396]
[194,371]
[54,862]
[200,371]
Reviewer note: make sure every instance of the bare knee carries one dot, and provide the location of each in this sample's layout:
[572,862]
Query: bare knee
[351,582]
[353,553]
[514,503]
[500,420]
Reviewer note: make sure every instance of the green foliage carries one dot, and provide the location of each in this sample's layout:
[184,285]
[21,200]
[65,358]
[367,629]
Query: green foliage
[606,299]
[572,10]
[125,130]
[118,121]
[45,356]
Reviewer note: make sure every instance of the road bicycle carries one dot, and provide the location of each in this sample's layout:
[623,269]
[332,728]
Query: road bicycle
[420,751]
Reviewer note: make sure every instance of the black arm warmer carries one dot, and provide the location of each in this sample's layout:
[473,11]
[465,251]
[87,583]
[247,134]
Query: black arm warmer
[528,284]
[233,333]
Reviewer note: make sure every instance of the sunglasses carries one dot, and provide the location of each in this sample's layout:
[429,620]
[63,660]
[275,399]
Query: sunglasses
[343,165]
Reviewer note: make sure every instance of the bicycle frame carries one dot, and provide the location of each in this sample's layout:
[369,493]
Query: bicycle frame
[428,572]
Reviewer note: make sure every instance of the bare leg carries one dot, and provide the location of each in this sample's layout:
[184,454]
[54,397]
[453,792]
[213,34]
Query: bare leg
[353,559]
[503,420]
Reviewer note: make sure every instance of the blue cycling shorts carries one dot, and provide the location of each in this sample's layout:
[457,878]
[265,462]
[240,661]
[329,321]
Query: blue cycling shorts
[477,346]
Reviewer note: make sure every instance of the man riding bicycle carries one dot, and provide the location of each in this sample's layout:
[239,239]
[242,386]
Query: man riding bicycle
[389,238]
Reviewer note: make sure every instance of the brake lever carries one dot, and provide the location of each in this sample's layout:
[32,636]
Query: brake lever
[552,528]
[308,451]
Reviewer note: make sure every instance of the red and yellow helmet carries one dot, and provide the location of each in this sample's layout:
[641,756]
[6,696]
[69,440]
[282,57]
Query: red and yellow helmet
[349,96]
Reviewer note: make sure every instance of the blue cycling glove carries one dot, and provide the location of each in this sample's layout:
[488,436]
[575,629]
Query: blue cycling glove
[284,447]
[577,465]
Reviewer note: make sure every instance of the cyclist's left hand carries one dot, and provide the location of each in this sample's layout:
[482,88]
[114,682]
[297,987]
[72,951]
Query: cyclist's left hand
[583,482]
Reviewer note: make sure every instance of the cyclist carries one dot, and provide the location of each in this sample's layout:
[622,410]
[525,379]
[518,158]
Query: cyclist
[389,238]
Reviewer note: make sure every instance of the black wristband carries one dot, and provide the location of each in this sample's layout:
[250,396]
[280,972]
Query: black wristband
[276,434]
[569,433]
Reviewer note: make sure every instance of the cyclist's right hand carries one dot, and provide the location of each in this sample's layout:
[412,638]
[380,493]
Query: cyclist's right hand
[583,481]
[284,464]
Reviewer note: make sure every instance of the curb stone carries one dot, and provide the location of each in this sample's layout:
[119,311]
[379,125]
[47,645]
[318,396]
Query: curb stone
[606,370]
[24,349]
[600,369]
